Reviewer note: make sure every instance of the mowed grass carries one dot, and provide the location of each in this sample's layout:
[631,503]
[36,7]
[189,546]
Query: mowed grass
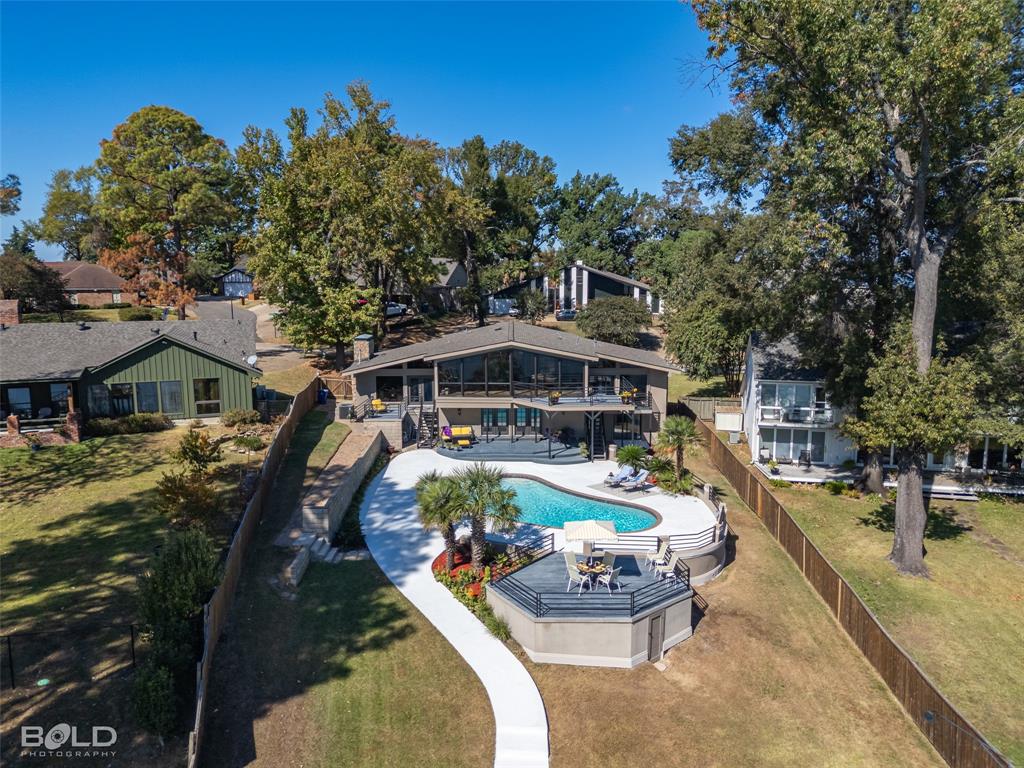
[290,381]
[680,385]
[964,625]
[79,524]
[347,674]
[768,679]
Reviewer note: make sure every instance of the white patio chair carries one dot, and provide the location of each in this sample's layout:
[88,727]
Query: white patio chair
[659,557]
[610,579]
[575,577]
[669,568]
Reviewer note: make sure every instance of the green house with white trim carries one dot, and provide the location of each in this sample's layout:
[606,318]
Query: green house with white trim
[182,369]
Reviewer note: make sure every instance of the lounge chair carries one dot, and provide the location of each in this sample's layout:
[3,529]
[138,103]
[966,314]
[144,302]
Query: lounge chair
[378,407]
[660,556]
[625,473]
[610,579]
[637,483]
[669,568]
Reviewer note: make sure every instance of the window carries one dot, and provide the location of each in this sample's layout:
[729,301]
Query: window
[497,374]
[449,375]
[527,417]
[817,446]
[116,297]
[572,377]
[170,397]
[146,397]
[769,395]
[122,400]
[768,441]
[59,398]
[207,394]
[783,446]
[473,375]
[389,388]
[547,372]
[495,417]
[19,401]
[99,400]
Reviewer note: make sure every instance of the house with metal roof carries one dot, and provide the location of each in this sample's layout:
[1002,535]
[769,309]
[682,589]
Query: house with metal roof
[182,369]
[513,390]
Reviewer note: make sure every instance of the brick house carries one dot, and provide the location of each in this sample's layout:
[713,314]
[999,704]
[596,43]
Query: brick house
[90,285]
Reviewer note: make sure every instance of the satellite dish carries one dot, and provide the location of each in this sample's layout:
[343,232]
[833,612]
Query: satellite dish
[251,359]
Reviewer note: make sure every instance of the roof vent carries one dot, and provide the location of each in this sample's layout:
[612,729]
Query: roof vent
[195,335]
[155,330]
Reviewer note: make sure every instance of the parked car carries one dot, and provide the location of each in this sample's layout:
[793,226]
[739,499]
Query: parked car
[565,314]
[395,310]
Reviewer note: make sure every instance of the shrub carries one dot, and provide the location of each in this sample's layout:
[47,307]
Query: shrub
[775,482]
[128,425]
[197,451]
[248,443]
[849,465]
[186,497]
[139,313]
[153,699]
[835,487]
[617,319]
[116,305]
[171,596]
[496,625]
[240,416]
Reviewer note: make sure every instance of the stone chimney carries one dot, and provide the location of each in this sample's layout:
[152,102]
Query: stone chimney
[362,347]
[10,312]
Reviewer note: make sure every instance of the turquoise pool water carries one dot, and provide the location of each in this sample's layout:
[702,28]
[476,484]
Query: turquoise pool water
[543,505]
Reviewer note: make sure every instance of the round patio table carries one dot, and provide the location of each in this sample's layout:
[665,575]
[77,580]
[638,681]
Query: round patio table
[591,571]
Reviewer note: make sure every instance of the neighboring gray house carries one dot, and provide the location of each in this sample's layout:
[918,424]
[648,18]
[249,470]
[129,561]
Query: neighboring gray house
[453,276]
[236,282]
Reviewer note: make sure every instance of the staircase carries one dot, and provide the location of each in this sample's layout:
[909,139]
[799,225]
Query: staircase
[600,450]
[426,428]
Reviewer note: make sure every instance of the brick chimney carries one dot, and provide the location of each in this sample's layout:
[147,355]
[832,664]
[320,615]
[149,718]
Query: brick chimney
[10,312]
[362,347]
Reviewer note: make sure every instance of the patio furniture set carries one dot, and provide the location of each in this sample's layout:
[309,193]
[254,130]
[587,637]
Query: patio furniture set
[591,573]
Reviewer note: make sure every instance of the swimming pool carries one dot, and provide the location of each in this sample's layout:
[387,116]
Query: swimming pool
[543,505]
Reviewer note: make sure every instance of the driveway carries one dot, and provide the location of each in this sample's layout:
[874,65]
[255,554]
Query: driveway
[275,353]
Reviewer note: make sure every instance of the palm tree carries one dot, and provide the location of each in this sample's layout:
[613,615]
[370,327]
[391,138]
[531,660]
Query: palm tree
[442,506]
[486,499]
[676,435]
[633,455]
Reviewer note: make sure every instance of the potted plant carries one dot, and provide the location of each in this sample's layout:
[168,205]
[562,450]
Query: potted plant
[773,467]
[32,441]
[553,397]
[584,451]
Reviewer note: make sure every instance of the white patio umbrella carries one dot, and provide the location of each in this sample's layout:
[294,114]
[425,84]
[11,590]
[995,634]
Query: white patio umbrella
[589,531]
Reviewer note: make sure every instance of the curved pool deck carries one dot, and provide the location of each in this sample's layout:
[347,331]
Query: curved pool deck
[405,551]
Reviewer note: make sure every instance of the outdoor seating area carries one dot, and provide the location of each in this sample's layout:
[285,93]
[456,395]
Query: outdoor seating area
[628,479]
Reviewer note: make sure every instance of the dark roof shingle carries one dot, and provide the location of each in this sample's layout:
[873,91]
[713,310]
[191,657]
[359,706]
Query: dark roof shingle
[86,276]
[48,351]
[781,361]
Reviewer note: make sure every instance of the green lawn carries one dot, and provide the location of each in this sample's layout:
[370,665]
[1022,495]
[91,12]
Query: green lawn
[964,625]
[79,524]
[680,385]
[347,674]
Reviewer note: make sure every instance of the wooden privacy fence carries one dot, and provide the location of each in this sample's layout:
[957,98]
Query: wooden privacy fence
[215,612]
[704,407]
[339,385]
[959,743]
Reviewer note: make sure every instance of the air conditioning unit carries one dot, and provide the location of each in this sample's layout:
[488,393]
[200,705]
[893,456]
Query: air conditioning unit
[734,438]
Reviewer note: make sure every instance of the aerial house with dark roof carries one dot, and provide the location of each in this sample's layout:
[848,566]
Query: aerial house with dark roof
[513,390]
[182,369]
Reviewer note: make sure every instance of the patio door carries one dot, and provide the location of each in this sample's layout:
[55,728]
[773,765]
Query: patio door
[421,390]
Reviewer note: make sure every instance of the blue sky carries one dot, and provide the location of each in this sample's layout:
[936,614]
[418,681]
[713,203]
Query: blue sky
[599,87]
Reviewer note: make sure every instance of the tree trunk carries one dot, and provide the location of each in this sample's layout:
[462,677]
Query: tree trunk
[908,542]
[473,278]
[339,355]
[679,464]
[478,539]
[871,477]
[181,312]
[449,547]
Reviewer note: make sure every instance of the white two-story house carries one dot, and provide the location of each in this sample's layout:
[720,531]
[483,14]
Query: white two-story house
[786,415]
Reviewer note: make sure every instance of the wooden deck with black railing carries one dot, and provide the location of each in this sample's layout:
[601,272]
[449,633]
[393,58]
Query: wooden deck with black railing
[540,589]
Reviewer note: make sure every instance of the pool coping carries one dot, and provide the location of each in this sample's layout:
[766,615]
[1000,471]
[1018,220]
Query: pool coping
[658,519]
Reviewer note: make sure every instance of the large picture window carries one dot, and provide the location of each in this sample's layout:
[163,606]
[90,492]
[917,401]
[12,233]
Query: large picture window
[786,443]
[19,401]
[59,399]
[497,374]
[99,400]
[146,397]
[207,396]
[122,400]
[473,373]
[170,397]
[449,377]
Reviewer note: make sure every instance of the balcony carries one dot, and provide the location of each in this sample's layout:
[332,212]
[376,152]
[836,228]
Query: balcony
[820,414]
[567,395]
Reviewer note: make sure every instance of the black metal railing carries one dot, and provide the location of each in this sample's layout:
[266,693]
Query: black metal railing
[523,553]
[555,604]
[570,393]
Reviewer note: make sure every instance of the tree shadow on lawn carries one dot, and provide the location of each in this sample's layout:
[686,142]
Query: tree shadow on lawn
[941,524]
[32,475]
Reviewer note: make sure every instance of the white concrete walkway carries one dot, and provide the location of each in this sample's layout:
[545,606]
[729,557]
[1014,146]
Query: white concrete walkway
[404,551]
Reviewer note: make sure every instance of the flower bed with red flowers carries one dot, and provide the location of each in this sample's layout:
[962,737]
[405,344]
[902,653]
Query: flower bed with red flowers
[467,585]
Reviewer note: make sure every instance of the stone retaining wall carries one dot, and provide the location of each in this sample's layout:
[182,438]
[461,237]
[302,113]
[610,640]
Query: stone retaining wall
[325,503]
